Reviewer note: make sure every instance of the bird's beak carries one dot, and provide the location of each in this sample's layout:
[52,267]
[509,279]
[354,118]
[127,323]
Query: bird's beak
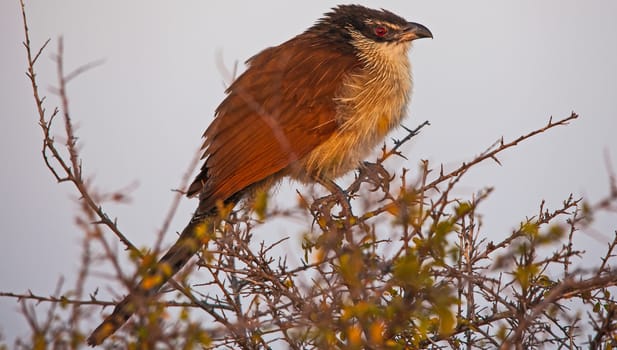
[415,31]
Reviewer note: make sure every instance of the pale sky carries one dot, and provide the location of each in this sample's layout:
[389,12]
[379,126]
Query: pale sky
[493,69]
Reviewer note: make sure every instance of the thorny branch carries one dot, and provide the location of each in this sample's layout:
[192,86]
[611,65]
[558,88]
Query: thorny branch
[72,170]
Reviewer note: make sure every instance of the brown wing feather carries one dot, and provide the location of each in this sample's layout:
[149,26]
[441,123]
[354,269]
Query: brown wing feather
[274,115]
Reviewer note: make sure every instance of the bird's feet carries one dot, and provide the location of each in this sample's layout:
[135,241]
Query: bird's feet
[322,209]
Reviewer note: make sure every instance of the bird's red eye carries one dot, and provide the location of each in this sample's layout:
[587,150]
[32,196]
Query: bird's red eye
[381,31]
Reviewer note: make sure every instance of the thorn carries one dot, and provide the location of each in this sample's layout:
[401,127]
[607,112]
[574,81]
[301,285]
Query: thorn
[406,128]
[496,160]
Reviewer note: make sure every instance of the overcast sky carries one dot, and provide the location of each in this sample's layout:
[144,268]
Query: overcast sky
[492,70]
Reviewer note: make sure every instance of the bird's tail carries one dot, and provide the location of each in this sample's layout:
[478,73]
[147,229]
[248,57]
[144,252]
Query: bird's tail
[195,235]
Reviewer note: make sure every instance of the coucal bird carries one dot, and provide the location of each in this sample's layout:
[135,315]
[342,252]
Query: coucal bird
[311,108]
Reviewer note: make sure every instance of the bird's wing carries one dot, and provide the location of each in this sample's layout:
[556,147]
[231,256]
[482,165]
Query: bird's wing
[275,113]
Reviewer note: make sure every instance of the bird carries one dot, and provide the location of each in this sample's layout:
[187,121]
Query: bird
[311,109]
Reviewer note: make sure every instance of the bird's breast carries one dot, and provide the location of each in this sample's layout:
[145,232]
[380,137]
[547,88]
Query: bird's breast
[369,105]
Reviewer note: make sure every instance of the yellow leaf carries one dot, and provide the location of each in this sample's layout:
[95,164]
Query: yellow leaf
[354,335]
[393,209]
[376,332]
[150,282]
[260,204]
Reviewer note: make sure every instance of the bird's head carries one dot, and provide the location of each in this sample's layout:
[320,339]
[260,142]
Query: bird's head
[358,27]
